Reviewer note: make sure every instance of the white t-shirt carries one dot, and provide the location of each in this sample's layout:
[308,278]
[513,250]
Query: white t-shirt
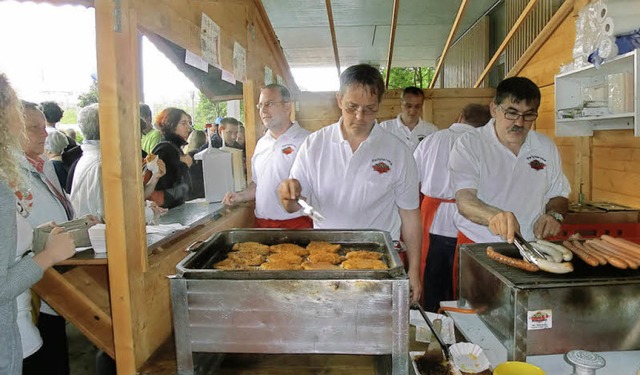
[270,164]
[432,159]
[361,189]
[410,137]
[522,184]
[86,191]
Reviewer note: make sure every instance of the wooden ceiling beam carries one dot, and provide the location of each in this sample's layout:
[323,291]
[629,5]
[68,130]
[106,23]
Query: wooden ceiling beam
[334,40]
[392,39]
[445,50]
[506,40]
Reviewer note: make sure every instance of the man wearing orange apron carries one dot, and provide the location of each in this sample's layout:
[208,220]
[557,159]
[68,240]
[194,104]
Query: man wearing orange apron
[272,160]
[438,206]
[507,177]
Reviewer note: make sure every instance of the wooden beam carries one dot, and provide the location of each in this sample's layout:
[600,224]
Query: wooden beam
[506,40]
[334,40]
[250,121]
[558,17]
[392,38]
[452,33]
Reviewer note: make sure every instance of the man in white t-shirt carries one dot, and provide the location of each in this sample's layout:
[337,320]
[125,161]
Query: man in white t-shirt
[272,160]
[439,233]
[507,177]
[409,126]
[356,175]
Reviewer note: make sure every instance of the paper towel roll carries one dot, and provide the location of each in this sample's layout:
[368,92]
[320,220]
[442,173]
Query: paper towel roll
[607,48]
[600,9]
[618,8]
[620,25]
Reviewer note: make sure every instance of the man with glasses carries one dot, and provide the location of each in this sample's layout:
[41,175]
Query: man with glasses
[356,175]
[507,177]
[409,126]
[272,160]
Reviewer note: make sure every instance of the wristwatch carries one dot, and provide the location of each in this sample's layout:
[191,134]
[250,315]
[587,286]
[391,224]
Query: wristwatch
[556,215]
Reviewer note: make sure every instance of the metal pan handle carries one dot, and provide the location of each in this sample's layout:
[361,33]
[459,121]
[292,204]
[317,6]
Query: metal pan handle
[195,245]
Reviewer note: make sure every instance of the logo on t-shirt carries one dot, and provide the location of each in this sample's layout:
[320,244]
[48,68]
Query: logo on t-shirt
[288,149]
[537,162]
[381,165]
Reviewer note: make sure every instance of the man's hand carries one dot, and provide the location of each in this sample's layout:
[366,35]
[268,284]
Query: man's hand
[288,192]
[187,160]
[504,224]
[232,198]
[415,284]
[546,226]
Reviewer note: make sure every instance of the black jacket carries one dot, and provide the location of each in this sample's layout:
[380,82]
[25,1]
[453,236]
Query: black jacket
[176,183]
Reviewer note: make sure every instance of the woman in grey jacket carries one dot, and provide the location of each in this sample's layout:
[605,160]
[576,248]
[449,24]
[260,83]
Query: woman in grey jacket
[17,276]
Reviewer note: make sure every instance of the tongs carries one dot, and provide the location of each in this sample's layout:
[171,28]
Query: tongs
[528,252]
[444,346]
[308,210]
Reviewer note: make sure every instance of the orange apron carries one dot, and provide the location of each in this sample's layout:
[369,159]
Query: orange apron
[302,222]
[462,239]
[428,209]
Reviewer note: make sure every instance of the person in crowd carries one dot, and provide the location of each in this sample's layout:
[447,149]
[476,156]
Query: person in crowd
[151,136]
[409,125]
[69,132]
[272,160]
[173,188]
[241,133]
[17,273]
[50,204]
[356,175]
[227,131]
[196,141]
[72,152]
[54,145]
[508,178]
[438,205]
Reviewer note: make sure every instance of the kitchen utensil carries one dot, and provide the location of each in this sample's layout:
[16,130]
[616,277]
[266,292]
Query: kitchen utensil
[527,251]
[584,362]
[517,368]
[308,210]
[444,346]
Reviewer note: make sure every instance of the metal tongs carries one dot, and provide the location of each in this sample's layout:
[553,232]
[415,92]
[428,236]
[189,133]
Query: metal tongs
[308,210]
[445,347]
[528,252]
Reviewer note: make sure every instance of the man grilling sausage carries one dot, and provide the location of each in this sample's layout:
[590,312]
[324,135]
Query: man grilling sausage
[357,174]
[507,177]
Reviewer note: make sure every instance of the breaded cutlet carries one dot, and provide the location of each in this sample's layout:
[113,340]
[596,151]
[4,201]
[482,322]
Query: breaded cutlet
[289,248]
[319,266]
[248,258]
[364,264]
[280,266]
[322,257]
[285,257]
[315,246]
[231,265]
[255,247]
[363,254]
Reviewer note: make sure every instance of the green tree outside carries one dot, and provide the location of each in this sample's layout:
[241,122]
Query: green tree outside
[400,78]
[207,112]
[70,116]
[90,96]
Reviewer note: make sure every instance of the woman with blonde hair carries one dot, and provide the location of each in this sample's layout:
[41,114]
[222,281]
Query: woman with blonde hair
[17,272]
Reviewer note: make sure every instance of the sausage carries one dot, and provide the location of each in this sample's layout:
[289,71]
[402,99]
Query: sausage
[612,251]
[621,247]
[556,256]
[553,267]
[621,252]
[630,247]
[517,263]
[586,257]
[611,259]
[601,259]
[566,254]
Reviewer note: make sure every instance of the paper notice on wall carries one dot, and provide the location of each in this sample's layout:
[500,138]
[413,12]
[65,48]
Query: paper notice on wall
[210,41]
[196,61]
[239,62]
[539,319]
[279,80]
[268,76]
[228,76]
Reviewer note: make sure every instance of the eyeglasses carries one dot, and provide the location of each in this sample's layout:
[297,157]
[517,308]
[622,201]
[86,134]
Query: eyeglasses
[353,108]
[510,114]
[408,105]
[268,104]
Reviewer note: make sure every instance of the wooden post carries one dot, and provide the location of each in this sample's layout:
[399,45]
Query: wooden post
[251,120]
[117,56]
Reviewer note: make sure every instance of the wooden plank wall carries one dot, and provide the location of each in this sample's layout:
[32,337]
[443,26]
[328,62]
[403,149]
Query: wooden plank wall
[608,164]
[467,58]
[441,106]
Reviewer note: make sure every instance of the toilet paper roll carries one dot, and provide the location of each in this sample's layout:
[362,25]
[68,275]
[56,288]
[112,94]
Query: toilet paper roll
[608,48]
[617,8]
[600,10]
[620,25]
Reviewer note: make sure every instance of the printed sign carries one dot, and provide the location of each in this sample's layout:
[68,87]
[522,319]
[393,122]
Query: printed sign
[539,319]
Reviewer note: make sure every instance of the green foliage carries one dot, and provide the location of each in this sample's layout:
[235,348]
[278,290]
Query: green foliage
[208,111]
[400,78]
[89,97]
[70,116]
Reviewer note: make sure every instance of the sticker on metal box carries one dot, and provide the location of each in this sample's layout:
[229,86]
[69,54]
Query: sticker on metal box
[539,319]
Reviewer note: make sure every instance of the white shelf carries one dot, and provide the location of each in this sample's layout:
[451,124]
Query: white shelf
[568,94]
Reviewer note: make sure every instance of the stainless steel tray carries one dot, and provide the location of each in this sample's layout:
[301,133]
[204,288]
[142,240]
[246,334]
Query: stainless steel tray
[200,264]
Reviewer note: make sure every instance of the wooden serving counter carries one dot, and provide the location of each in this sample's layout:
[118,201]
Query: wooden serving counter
[80,289]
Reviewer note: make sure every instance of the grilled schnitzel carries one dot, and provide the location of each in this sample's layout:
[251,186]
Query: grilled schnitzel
[325,257]
[364,264]
[255,247]
[289,248]
[285,258]
[248,258]
[315,246]
[363,254]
